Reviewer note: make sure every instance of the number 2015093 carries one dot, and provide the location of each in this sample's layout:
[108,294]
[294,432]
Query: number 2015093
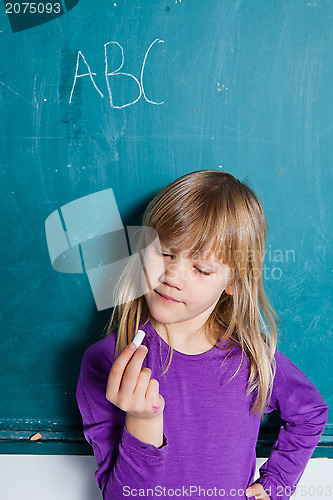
[33,8]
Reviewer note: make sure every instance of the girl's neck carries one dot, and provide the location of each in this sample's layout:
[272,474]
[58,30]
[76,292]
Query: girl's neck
[186,342]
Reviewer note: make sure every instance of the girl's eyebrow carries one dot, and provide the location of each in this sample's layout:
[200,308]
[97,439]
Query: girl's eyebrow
[166,248]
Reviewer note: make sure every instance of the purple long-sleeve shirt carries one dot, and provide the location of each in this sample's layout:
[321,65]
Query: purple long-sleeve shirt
[210,434]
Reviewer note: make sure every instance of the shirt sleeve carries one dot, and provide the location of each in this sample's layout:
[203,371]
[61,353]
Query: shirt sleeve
[125,464]
[305,414]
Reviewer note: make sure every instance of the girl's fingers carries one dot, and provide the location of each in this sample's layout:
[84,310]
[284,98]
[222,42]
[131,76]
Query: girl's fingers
[130,387]
[118,368]
[142,384]
[153,396]
[257,490]
[132,372]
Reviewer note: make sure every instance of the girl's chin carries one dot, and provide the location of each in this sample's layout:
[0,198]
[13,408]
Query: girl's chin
[163,317]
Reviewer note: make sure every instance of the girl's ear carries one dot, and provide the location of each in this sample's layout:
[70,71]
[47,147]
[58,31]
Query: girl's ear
[228,289]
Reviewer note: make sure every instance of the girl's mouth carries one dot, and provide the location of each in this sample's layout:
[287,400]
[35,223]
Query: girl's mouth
[165,298]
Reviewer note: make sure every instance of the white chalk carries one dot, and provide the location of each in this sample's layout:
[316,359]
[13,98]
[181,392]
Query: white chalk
[139,338]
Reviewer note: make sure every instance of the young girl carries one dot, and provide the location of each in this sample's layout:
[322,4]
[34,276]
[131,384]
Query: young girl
[179,416]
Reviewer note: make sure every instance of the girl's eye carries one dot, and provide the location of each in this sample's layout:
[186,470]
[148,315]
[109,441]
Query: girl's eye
[202,272]
[162,253]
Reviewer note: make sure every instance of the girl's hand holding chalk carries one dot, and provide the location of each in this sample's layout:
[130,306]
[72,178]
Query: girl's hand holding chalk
[130,387]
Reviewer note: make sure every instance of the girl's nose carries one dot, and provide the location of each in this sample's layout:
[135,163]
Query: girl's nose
[174,274]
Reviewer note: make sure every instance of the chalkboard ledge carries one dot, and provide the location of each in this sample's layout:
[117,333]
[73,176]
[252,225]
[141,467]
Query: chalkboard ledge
[73,443]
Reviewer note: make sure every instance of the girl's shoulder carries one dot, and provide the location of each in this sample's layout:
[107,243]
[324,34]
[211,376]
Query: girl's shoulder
[289,377]
[283,364]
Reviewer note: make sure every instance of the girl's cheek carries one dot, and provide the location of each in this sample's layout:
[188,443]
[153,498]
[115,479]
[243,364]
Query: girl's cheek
[155,271]
[150,279]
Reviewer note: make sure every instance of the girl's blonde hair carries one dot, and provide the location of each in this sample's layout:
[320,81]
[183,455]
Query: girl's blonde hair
[212,210]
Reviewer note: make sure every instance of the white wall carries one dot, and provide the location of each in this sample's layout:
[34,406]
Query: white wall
[38,477]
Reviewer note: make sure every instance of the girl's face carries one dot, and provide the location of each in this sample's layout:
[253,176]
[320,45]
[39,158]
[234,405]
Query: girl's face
[182,289]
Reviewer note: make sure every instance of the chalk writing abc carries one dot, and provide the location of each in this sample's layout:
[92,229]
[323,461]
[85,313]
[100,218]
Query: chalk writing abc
[109,73]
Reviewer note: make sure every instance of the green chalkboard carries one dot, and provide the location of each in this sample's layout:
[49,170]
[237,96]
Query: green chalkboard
[129,95]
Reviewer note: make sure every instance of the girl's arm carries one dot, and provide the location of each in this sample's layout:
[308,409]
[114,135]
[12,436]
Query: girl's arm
[305,414]
[126,457]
